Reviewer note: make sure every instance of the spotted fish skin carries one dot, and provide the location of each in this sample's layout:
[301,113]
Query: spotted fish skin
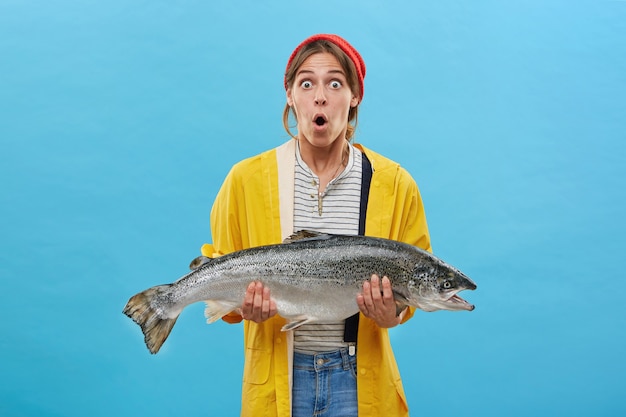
[312,277]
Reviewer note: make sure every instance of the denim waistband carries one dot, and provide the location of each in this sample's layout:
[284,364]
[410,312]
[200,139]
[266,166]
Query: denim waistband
[337,359]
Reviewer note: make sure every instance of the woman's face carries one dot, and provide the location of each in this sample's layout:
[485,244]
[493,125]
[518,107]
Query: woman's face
[321,99]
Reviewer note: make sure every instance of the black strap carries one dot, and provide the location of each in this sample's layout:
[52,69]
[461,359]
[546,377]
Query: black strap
[366,180]
[352,323]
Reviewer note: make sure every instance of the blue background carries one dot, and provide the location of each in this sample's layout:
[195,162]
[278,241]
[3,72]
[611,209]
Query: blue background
[120,119]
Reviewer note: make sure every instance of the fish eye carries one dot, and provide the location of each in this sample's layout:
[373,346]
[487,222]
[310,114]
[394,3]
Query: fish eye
[447,285]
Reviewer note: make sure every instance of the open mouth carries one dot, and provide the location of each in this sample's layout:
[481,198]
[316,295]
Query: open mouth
[320,120]
[460,303]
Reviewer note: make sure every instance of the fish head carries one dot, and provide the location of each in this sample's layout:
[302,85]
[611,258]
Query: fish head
[436,287]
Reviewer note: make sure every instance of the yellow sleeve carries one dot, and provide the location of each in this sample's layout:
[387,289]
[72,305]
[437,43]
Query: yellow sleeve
[245,212]
[412,217]
[395,209]
[225,228]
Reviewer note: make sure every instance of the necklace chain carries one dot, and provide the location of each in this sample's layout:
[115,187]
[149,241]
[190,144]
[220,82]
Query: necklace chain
[343,159]
[320,193]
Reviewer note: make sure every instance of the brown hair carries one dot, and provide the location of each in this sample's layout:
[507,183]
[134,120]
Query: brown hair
[316,47]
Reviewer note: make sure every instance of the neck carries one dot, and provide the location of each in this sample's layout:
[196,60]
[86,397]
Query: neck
[325,163]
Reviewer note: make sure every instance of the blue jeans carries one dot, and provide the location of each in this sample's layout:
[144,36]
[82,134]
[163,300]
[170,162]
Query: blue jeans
[324,385]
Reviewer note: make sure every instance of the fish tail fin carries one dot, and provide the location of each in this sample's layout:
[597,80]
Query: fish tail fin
[155,328]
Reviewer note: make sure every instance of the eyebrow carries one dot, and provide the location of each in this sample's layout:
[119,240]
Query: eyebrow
[333,71]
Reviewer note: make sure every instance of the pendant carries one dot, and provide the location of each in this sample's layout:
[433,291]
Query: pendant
[319,204]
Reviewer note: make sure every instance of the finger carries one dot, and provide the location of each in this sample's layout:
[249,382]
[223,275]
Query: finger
[367,295]
[387,291]
[360,301]
[273,308]
[270,302]
[390,304]
[248,299]
[376,290]
[265,304]
[257,304]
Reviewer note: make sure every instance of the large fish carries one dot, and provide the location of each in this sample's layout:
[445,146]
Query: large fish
[312,277]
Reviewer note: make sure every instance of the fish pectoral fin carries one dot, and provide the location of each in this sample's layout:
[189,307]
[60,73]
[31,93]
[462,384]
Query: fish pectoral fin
[304,235]
[400,307]
[296,322]
[401,302]
[215,310]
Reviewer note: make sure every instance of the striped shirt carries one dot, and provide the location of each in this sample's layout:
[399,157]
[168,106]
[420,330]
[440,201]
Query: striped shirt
[334,210]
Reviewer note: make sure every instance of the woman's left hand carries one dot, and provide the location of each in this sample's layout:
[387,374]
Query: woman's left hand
[378,303]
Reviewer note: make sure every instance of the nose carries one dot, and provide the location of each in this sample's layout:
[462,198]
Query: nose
[320,98]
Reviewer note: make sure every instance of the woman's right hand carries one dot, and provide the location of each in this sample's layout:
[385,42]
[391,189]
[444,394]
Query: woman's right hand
[258,305]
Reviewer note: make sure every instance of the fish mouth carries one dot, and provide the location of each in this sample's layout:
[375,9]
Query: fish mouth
[451,303]
[459,303]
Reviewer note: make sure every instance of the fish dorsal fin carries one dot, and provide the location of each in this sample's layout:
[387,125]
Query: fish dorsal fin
[198,262]
[303,235]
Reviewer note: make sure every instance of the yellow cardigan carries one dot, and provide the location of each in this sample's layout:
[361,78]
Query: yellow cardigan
[255,207]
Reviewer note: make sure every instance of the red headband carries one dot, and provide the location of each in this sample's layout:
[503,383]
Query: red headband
[349,50]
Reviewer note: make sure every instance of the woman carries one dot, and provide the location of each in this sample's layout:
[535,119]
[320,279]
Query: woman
[319,181]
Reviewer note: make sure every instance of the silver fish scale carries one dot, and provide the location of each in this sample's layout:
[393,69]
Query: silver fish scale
[313,276]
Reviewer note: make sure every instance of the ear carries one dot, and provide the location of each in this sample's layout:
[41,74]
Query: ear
[354,102]
[289,98]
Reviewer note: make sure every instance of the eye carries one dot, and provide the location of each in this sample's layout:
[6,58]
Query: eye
[335,84]
[447,285]
[306,84]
